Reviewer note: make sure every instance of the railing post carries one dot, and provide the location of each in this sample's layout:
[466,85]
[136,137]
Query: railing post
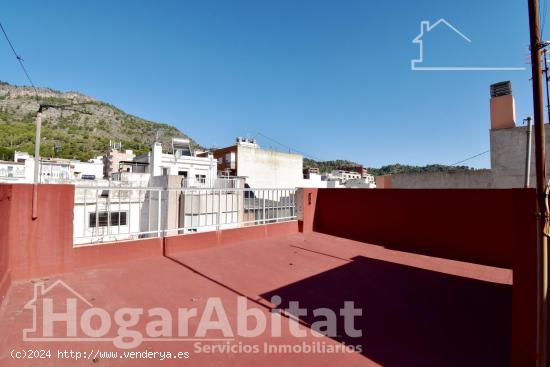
[263,206]
[219,209]
[159,212]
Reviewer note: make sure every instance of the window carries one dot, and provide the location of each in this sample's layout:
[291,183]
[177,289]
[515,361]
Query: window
[200,178]
[118,218]
[165,171]
[101,219]
[182,173]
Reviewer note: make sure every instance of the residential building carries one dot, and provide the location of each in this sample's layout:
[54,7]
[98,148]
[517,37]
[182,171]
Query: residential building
[114,156]
[344,176]
[310,171]
[141,205]
[357,177]
[356,168]
[314,179]
[12,172]
[262,168]
[181,162]
[364,183]
[52,170]
[91,170]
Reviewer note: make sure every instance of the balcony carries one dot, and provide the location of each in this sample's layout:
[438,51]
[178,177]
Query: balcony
[443,278]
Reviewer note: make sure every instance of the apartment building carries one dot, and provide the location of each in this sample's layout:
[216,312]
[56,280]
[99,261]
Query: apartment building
[11,172]
[51,170]
[344,176]
[262,168]
[183,162]
[115,155]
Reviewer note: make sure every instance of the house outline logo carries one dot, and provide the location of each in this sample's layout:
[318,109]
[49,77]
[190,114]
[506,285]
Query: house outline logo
[425,27]
[40,290]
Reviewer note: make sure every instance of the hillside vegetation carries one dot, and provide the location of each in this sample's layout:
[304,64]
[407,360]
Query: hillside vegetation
[80,134]
[328,166]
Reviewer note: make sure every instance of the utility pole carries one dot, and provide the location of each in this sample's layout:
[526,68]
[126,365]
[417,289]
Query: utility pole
[36,179]
[542,215]
[38,121]
[544,52]
[528,153]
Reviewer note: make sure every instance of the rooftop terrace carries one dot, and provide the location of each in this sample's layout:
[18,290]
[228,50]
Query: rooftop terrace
[434,289]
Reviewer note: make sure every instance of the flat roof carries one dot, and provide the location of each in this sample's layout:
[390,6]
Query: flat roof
[417,310]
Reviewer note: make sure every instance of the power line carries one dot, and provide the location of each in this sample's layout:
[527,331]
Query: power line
[472,157]
[288,147]
[19,59]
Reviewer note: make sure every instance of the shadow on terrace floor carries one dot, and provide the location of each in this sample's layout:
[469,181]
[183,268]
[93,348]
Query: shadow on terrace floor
[411,316]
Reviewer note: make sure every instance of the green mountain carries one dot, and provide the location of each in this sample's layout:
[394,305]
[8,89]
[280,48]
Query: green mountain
[328,166]
[82,132]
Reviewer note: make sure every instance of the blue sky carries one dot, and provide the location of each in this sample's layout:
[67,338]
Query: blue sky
[328,78]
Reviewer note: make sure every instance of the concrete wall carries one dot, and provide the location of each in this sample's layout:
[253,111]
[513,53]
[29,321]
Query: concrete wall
[508,152]
[478,179]
[269,169]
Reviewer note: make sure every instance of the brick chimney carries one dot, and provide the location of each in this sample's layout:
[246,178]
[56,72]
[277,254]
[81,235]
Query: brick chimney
[503,106]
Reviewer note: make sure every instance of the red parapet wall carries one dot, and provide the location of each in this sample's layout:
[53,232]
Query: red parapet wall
[32,248]
[197,241]
[491,227]
[40,246]
[5,274]
[116,252]
[480,226]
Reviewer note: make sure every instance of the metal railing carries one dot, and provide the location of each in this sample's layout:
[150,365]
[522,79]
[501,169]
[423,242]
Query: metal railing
[11,172]
[218,183]
[108,214]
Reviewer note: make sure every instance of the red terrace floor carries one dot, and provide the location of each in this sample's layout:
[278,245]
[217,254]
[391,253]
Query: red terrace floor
[417,310]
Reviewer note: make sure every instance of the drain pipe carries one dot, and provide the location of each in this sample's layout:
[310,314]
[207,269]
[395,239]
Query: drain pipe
[528,153]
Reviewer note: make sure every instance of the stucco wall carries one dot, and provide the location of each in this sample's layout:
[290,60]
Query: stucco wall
[269,169]
[508,152]
[478,179]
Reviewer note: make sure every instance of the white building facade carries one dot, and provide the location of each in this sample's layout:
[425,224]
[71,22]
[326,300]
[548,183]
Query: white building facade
[199,171]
